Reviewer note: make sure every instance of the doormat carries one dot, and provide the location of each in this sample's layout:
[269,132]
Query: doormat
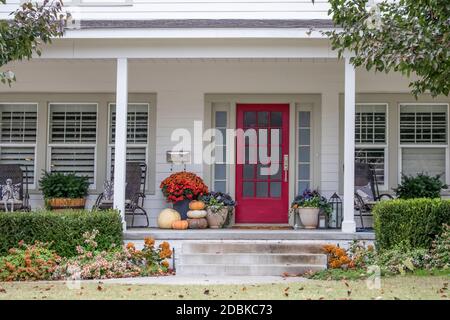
[262,227]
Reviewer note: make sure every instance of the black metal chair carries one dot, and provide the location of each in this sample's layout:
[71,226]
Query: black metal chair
[366,184]
[136,176]
[20,179]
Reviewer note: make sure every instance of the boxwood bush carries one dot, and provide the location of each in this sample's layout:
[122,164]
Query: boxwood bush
[413,222]
[63,229]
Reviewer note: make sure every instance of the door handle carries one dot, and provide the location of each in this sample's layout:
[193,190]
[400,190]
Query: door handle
[286,166]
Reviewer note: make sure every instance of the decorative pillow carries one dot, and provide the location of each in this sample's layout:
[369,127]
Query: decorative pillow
[10,191]
[365,193]
[108,190]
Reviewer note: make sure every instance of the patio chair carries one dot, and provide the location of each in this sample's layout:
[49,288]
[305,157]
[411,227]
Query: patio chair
[367,193]
[136,175]
[13,188]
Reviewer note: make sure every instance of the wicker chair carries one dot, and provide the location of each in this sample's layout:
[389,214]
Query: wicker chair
[136,176]
[366,183]
[17,176]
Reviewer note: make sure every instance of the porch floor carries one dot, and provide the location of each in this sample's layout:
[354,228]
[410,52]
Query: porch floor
[244,234]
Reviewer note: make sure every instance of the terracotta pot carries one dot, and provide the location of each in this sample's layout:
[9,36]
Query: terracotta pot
[217,219]
[309,217]
[66,203]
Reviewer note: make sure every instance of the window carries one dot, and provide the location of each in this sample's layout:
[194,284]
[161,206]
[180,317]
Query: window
[304,151]
[423,139]
[73,138]
[371,138]
[220,168]
[18,130]
[137,133]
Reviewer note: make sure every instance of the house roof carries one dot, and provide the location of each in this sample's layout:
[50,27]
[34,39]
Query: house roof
[207,23]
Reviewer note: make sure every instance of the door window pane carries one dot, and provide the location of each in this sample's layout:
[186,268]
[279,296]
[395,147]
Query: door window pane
[261,189]
[263,119]
[276,119]
[249,119]
[275,189]
[248,189]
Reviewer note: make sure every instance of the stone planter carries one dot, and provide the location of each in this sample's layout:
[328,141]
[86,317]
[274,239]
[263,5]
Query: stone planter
[309,217]
[217,219]
[182,207]
[66,203]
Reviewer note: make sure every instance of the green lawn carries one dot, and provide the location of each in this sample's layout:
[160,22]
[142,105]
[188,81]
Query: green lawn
[400,287]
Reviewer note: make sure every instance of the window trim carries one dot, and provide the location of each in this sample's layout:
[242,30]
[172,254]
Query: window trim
[219,107]
[304,107]
[385,145]
[35,145]
[93,185]
[147,146]
[421,145]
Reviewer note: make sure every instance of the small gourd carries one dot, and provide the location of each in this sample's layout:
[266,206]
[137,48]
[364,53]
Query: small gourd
[196,205]
[180,225]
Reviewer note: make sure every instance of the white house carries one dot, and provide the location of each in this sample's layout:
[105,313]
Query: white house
[218,64]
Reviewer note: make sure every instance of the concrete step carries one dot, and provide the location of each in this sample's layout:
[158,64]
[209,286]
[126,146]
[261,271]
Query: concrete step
[266,248]
[247,270]
[253,258]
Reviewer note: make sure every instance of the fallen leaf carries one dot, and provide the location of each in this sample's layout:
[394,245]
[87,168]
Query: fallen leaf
[396,298]
[244,288]
[321,298]
[180,296]
[301,288]
[99,288]
[349,292]
[286,294]
[2,290]
[286,289]
[206,291]
[129,289]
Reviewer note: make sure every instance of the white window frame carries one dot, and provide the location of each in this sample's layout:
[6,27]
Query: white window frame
[27,145]
[304,108]
[220,108]
[97,3]
[432,146]
[129,145]
[92,186]
[384,145]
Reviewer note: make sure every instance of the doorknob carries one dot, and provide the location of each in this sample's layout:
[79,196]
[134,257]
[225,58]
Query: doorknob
[285,166]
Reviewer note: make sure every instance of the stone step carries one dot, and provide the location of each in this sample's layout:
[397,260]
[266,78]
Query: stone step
[253,258]
[236,247]
[247,270]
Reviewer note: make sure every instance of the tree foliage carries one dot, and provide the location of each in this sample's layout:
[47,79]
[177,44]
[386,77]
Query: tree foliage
[408,36]
[31,25]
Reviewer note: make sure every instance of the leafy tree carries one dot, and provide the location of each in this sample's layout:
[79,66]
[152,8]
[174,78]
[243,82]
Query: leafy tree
[409,36]
[31,26]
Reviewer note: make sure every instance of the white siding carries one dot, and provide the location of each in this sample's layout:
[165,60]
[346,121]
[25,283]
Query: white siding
[192,9]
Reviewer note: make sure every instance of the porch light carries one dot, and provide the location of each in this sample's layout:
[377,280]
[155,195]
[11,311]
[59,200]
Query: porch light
[335,220]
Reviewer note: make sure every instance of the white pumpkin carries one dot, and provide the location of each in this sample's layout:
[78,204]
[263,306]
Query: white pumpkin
[196,214]
[167,217]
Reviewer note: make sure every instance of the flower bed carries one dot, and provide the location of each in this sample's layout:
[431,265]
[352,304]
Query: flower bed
[39,262]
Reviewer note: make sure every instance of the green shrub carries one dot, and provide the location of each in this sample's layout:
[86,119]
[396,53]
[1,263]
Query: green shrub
[401,259]
[440,250]
[420,186]
[413,223]
[64,230]
[60,185]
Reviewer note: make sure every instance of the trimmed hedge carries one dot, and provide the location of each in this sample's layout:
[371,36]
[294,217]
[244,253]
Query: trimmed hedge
[63,229]
[414,222]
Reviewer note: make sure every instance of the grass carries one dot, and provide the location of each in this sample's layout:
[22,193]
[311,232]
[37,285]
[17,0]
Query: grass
[398,287]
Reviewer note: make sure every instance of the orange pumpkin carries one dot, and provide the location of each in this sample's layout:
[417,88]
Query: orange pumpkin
[180,225]
[196,205]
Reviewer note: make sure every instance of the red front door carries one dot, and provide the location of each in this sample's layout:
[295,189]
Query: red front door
[262,181]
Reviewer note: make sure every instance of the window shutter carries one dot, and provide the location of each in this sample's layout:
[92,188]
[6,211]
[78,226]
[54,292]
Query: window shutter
[73,136]
[370,126]
[423,124]
[137,123]
[18,130]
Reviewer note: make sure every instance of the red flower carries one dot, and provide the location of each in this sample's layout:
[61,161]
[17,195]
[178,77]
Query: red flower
[183,185]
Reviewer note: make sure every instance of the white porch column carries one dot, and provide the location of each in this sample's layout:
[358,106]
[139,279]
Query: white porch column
[120,145]
[348,225]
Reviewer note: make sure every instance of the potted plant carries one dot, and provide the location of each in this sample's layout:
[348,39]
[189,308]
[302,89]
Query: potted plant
[220,208]
[182,187]
[308,206]
[64,191]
